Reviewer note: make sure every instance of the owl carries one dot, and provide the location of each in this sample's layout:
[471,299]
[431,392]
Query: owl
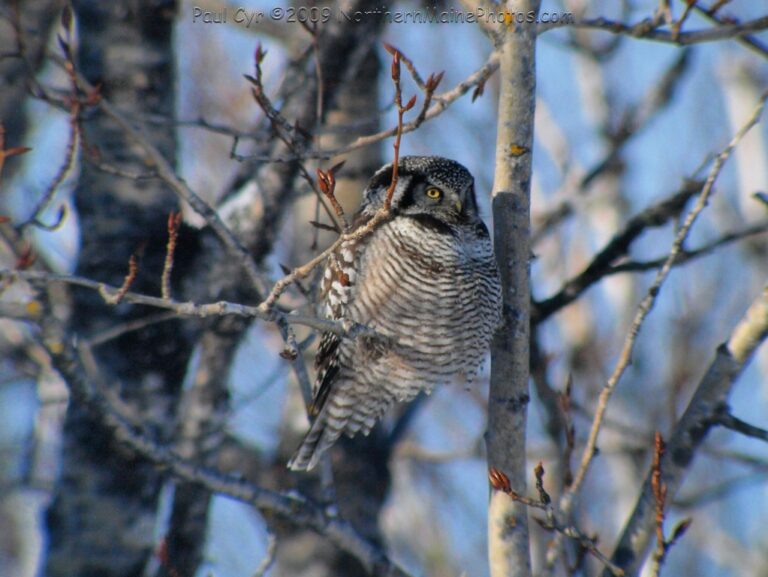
[425,282]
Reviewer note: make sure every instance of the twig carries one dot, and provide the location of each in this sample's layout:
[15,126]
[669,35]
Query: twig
[293,137]
[114,298]
[440,103]
[429,91]
[174,221]
[659,489]
[678,24]
[303,271]
[281,126]
[633,120]
[401,110]
[293,508]
[166,173]
[135,325]
[692,254]
[326,179]
[660,497]
[654,216]
[8,152]
[75,107]
[410,66]
[269,556]
[648,30]
[189,309]
[692,429]
[648,302]
[117,171]
[749,41]
[381,215]
[500,482]
[312,30]
[727,420]
[567,499]
[570,432]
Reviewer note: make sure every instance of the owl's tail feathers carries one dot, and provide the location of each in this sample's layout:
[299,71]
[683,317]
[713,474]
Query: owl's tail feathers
[321,436]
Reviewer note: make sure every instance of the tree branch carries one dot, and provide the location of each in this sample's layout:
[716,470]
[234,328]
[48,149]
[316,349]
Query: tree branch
[648,29]
[654,216]
[702,413]
[648,302]
[294,508]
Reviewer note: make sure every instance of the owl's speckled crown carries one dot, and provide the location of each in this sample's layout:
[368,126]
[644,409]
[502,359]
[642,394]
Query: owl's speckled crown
[441,171]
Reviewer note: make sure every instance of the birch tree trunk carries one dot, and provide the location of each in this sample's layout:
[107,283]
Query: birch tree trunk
[102,517]
[508,402]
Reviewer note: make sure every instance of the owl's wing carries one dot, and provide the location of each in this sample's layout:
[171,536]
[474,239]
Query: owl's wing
[337,292]
[337,287]
[327,363]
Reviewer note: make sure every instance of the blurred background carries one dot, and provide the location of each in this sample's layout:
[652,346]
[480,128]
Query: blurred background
[621,124]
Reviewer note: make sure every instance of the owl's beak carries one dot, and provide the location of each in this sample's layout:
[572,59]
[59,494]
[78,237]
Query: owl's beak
[458,206]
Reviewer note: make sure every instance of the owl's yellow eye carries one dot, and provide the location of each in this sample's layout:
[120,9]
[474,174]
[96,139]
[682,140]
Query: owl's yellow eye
[434,193]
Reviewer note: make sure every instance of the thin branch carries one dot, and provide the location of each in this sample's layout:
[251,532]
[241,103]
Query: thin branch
[648,30]
[189,309]
[440,103]
[75,107]
[634,119]
[749,41]
[648,302]
[131,326]
[736,425]
[167,173]
[303,271]
[381,215]
[326,180]
[294,508]
[174,221]
[500,482]
[269,557]
[115,297]
[8,152]
[690,432]
[654,216]
[291,135]
[692,254]
[401,110]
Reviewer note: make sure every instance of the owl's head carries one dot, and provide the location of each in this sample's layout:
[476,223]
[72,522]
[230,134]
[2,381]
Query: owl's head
[427,186]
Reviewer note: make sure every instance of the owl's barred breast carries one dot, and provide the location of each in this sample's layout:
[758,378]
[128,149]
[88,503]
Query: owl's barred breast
[435,294]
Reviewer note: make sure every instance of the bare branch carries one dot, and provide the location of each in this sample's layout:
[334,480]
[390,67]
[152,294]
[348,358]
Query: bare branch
[187,309]
[174,221]
[648,30]
[692,254]
[440,103]
[500,482]
[75,106]
[293,508]
[117,296]
[747,40]
[269,557]
[690,432]
[166,173]
[736,425]
[654,216]
[647,304]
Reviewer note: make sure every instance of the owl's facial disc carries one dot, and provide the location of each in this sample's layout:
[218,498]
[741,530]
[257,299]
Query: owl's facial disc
[428,186]
[423,197]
